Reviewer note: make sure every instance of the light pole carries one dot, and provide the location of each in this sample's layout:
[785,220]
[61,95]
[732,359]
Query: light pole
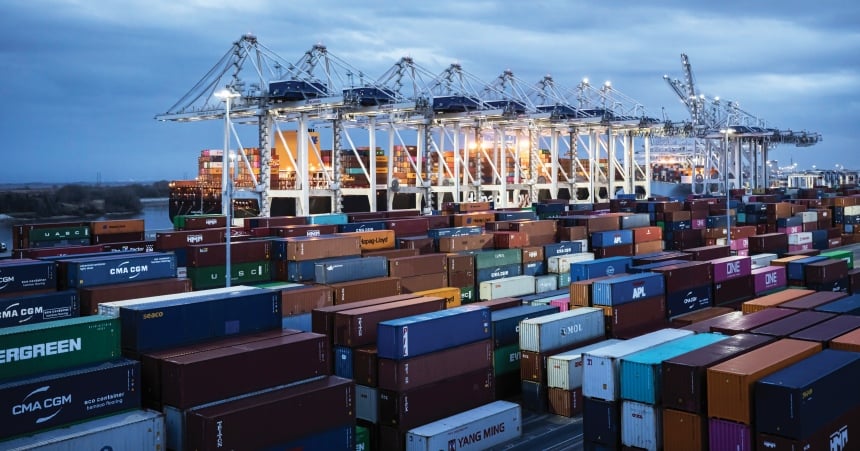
[726,132]
[226,95]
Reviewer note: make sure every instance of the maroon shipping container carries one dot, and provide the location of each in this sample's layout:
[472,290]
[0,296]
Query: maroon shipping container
[705,253]
[572,233]
[705,325]
[390,253]
[274,221]
[828,330]
[734,291]
[683,276]
[295,301]
[408,226]
[427,403]
[402,375]
[258,421]
[687,239]
[135,246]
[832,437]
[791,324]
[752,321]
[198,255]
[204,222]
[165,241]
[595,223]
[813,300]
[661,257]
[775,243]
[423,282]
[510,240]
[188,380]
[36,253]
[566,403]
[482,241]
[322,319]
[621,250]
[461,279]
[365,364]
[117,238]
[361,290]
[825,271]
[91,297]
[438,221]
[728,268]
[401,213]
[363,216]
[854,281]
[533,254]
[499,304]
[304,230]
[462,262]
[699,315]
[635,318]
[418,265]
[357,327]
[150,364]
[423,244]
[536,228]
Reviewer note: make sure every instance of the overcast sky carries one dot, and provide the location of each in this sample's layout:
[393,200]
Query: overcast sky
[83,80]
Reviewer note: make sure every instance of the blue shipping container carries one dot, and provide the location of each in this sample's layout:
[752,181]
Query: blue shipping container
[506,322]
[341,438]
[361,226]
[118,268]
[301,322]
[38,308]
[649,266]
[849,305]
[534,268]
[611,238]
[806,396]
[601,422]
[343,361]
[598,268]
[549,295]
[795,268]
[329,219]
[305,270]
[419,334]
[562,248]
[151,326]
[515,215]
[485,274]
[343,270]
[454,231]
[627,288]
[27,275]
[689,300]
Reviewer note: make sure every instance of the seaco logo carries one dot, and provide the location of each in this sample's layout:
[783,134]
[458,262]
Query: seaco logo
[42,405]
[839,439]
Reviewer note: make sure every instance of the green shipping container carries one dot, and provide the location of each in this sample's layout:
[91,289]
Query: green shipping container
[467,295]
[506,359]
[362,438]
[59,233]
[848,256]
[206,277]
[179,220]
[57,345]
[498,257]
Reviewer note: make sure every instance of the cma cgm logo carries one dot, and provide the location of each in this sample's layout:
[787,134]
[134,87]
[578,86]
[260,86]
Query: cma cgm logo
[6,280]
[839,440]
[45,406]
[127,268]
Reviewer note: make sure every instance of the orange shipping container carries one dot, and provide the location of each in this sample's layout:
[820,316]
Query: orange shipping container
[114,226]
[847,342]
[684,431]
[451,295]
[774,299]
[473,219]
[784,260]
[730,384]
[374,240]
[647,247]
[646,234]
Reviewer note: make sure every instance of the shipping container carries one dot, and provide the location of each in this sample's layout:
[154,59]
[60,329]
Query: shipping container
[849,341]
[727,268]
[534,396]
[813,300]
[561,248]
[136,429]
[784,327]
[417,265]
[377,240]
[611,238]
[55,345]
[22,275]
[498,272]
[641,372]
[601,423]
[216,254]
[304,231]
[479,428]
[752,321]
[827,330]
[207,277]
[312,248]
[506,360]
[405,374]
[344,270]
[302,271]
[627,288]
[505,323]
[38,308]
[561,263]
[323,317]
[683,275]
[636,318]
[116,268]
[561,329]
[734,291]
[187,381]
[566,403]
[416,335]
[729,435]
[299,299]
[91,297]
[464,243]
[365,226]
[774,299]
[564,370]
[834,436]
[730,383]
[506,287]
[598,268]
[689,300]
[769,278]
[256,422]
[601,367]
[61,397]
[367,403]
[684,431]
[847,305]
[358,327]
[696,316]
[641,426]
[166,241]
[421,405]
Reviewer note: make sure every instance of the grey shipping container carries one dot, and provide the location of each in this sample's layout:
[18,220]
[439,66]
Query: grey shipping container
[136,429]
[506,322]
[344,270]
[475,429]
[561,329]
[366,403]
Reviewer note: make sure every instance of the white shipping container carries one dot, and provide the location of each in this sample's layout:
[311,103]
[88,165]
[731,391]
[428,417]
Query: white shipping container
[561,329]
[762,259]
[800,238]
[546,283]
[601,368]
[641,425]
[808,216]
[112,308]
[138,430]
[851,210]
[560,264]
[565,370]
[366,402]
[506,287]
[475,429]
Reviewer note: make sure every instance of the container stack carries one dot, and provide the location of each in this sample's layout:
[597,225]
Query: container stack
[420,272]
[249,264]
[564,379]
[505,327]
[633,303]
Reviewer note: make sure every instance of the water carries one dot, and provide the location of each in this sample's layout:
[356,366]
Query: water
[154,214]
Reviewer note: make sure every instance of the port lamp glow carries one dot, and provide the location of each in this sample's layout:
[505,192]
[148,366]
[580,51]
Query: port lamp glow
[226,95]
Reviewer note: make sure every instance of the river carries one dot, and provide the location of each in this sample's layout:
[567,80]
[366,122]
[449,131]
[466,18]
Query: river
[154,214]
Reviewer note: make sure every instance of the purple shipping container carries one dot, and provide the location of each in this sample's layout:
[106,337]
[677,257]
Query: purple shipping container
[769,278]
[791,324]
[730,268]
[727,435]
[825,331]
[746,323]
[813,300]
[420,334]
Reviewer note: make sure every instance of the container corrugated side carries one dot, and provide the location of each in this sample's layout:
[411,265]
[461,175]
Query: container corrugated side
[419,334]
[800,399]
[629,288]
[561,263]
[116,268]
[562,329]
[728,435]
[39,308]
[22,275]
[641,372]
[207,277]
[600,267]
[506,287]
[350,269]
[641,425]
[600,368]
[137,429]
[565,370]
[366,403]
[684,431]
[478,428]
[54,345]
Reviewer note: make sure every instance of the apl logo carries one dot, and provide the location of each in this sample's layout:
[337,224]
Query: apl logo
[638,292]
[839,439]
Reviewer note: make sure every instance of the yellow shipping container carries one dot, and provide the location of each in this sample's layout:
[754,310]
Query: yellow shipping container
[451,295]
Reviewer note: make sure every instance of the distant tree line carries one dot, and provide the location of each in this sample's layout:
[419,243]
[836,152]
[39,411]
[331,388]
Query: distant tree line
[79,199]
